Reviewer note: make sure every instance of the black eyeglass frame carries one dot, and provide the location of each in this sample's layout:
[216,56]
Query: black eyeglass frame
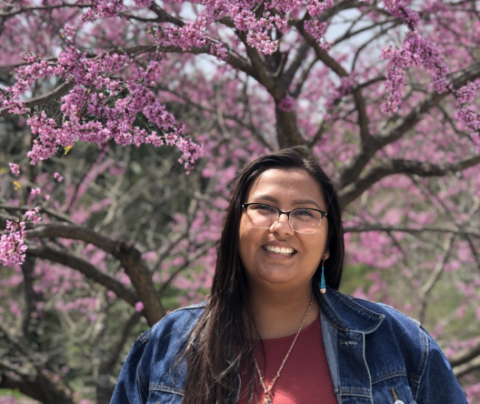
[281,212]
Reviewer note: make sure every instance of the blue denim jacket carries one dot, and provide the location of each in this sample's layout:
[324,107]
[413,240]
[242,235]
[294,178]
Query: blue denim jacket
[376,355]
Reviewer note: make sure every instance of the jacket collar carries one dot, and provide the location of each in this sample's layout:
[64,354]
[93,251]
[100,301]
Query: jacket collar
[345,314]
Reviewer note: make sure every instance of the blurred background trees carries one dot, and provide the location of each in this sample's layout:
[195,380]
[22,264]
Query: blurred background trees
[384,94]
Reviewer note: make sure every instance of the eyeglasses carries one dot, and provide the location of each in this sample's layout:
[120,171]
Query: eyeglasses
[302,220]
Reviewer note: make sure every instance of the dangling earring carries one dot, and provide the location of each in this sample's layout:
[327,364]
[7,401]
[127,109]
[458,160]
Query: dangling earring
[323,287]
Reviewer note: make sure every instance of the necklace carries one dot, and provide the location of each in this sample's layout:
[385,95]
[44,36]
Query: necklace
[268,391]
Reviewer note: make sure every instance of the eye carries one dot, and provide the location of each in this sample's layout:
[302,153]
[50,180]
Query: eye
[303,212]
[263,208]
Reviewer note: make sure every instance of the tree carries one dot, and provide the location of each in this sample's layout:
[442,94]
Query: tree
[385,94]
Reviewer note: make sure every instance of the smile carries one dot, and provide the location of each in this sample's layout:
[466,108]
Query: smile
[279,250]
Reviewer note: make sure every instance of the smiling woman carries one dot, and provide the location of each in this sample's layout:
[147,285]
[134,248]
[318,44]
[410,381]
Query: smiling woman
[275,329]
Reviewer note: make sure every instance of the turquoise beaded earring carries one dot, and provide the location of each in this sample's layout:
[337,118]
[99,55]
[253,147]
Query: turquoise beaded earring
[323,288]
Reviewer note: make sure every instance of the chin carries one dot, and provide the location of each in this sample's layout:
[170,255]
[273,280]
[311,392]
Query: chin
[275,276]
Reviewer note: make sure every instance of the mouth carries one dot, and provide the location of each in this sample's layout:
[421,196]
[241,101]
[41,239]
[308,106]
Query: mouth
[285,251]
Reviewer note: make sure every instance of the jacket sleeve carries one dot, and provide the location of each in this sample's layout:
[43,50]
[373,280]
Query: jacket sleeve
[130,388]
[438,384]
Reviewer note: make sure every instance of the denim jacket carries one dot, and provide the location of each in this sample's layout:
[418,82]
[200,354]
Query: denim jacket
[376,355]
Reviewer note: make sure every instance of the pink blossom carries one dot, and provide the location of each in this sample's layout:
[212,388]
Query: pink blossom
[317,30]
[58,177]
[416,51]
[143,3]
[399,9]
[139,306]
[12,244]
[31,215]
[15,169]
[287,103]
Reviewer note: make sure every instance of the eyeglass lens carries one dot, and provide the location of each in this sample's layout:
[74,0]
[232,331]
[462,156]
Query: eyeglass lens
[302,220]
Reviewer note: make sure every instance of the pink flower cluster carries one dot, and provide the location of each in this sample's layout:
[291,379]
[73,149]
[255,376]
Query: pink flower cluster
[187,37]
[12,242]
[345,87]
[466,115]
[317,30]
[143,3]
[399,9]
[32,216]
[416,51]
[15,169]
[257,25]
[139,307]
[100,107]
[103,8]
[316,8]
[287,103]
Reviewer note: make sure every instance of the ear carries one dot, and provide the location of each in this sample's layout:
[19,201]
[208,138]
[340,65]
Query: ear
[326,253]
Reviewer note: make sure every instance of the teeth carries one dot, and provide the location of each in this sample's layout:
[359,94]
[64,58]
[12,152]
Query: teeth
[280,250]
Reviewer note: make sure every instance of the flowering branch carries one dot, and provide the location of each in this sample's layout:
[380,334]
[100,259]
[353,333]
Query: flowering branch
[87,269]
[422,169]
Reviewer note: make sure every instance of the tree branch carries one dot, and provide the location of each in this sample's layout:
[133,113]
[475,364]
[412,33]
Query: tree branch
[465,356]
[36,386]
[337,68]
[187,263]
[74,232]
[126,253]
[374,227]
[86,269]
[28,268]
[236,62]
[60,91]
[30,381]
[351,172]
[296,63]
[104,385]
[163,16]
[141,278]
[288,133]
[434,277]
[466,368]
[42,8]
[422,169]
[107,366]
[303,78]
[260,73]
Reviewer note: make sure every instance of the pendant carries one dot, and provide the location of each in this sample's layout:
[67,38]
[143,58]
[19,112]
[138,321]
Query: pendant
[267,400]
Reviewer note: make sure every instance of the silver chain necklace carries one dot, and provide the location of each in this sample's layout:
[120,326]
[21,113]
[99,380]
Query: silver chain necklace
[268,391]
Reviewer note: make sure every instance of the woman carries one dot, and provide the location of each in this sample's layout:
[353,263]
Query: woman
[275,329]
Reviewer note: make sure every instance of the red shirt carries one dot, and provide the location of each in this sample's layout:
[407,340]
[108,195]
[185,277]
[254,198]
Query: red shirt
[305,378]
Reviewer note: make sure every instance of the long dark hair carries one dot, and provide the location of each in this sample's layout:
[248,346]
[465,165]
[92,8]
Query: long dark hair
[219,341]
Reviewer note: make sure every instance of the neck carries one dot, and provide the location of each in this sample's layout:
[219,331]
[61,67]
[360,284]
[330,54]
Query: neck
[280,313]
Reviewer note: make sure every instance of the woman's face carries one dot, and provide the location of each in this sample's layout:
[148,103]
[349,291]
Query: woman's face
[285,190]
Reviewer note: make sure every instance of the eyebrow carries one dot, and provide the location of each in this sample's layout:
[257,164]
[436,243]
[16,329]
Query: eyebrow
[295,202]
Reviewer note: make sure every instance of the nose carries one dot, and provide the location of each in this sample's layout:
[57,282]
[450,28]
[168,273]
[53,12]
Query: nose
[281,225]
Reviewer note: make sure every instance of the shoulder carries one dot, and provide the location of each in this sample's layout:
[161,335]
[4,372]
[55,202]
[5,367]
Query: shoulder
[162,347]
[398,333]
[404,341]
[402,338]
[392,315]
[152,363]
[174,324]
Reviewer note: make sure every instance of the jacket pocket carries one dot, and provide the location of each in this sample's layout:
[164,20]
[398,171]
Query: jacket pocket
[159,394]
[392,390]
